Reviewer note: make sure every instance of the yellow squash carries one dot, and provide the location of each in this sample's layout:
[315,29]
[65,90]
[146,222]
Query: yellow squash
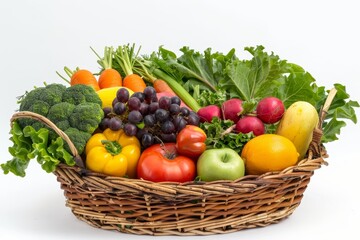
[298,124]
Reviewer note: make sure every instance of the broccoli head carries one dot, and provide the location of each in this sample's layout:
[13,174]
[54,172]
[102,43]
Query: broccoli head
[60,112]
[52,94]
[80,93]
[76,110]
[27,100]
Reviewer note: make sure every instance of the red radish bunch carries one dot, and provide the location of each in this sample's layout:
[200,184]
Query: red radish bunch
[269,110]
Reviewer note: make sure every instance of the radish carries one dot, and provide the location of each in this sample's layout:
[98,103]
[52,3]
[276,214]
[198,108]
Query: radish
[250,124]
[270,110]
[232,109]
[207,113]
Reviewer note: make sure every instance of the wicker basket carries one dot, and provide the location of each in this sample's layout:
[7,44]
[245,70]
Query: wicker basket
[193,208]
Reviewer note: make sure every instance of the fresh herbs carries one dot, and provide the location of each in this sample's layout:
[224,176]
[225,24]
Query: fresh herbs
[219,135]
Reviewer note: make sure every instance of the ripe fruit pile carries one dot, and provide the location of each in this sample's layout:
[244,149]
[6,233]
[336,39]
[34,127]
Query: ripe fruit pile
[149,118]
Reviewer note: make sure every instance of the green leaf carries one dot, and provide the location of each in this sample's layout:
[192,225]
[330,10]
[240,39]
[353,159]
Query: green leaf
[57,149]
[331,130]
[31,144]
[255,78]
[16,165]
[297,87]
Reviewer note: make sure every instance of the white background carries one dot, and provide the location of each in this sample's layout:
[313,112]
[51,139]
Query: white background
[38,38]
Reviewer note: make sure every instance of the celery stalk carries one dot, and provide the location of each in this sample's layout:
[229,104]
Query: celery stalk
[179,90]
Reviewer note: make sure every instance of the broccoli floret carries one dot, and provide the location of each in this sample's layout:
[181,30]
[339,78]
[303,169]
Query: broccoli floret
[60,112]
[52,94]
[37,106]
[86,117]
[29,97]
[80,93]
[78,138]
[40,107]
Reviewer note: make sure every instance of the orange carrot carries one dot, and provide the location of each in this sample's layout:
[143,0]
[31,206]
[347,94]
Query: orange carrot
[126,58]
[134,82]
[109,77]
[81,76]
[162,86]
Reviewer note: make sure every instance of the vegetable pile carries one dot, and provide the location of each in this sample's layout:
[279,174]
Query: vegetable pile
[162,117]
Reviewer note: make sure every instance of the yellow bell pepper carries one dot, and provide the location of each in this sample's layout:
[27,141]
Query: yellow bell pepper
[113,153]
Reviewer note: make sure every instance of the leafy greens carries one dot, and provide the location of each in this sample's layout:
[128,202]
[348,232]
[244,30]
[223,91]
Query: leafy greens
[212,78]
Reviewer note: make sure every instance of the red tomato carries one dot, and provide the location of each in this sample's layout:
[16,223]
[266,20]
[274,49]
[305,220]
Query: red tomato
[190,141]
[161,163]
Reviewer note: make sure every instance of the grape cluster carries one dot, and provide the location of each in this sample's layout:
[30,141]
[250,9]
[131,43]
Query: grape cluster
[150,119]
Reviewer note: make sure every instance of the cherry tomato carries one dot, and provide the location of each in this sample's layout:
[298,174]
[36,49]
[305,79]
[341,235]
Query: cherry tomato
[161,163]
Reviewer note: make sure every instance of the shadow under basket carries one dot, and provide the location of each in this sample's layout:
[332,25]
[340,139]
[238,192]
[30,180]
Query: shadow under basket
[193,208]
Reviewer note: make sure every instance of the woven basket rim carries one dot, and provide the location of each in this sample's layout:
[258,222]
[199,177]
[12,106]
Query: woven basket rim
[313,161]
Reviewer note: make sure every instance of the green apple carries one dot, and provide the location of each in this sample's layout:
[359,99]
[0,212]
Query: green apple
[220,164]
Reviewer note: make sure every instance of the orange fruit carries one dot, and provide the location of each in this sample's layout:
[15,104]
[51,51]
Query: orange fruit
[268,153]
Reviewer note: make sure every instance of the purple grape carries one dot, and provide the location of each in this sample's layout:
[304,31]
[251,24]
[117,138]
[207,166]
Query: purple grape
[139,95]
[115,123]
[149,120]
[175,100]
[179,123]
[134,103]
[164,102]
[119,108]
[184,111]
[104,124]
[144,108]
[130,129]
[149,93]
[122,95]
[174,109]
[147,140]
[135,117]
[161,115]
[193,119]
[167,127]
[153,107]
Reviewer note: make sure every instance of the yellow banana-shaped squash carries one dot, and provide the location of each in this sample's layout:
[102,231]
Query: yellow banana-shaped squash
[298,124]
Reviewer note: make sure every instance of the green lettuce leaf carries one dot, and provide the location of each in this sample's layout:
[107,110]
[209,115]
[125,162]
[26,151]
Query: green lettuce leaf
[255,78]
[29,144]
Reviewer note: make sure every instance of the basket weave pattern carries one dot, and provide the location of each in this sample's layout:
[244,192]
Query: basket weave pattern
[192,208]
